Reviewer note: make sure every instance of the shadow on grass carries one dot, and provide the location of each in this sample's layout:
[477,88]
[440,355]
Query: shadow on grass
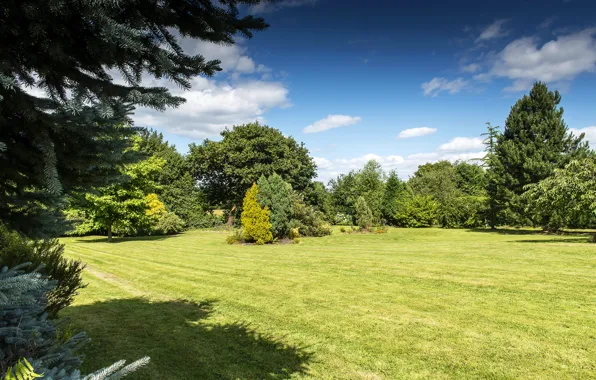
[126,239]
[180,342]
[577,239]
[507,231]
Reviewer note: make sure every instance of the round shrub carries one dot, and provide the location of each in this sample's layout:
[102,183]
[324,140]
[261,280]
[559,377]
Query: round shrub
[169,224]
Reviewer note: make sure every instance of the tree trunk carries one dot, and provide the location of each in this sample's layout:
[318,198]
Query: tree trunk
[231,216]
[109,233]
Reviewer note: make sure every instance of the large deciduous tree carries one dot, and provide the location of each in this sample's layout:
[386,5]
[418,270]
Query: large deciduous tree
[567,198]
[534,143]
[61,110]
[226,169]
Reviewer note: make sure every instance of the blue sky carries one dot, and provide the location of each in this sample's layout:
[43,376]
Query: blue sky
[401,82]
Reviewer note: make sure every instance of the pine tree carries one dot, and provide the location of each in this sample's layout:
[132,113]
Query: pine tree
[255,220]
[61,112]
[274,193]
[534,143]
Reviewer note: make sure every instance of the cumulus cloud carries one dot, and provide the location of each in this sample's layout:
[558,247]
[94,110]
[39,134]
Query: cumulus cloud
[462,144]
[212,106]
[405,166]
[416,132]
[268,7]
[590,134]
[232,57]
[492,31]
[557,61]
[330,122]
[437,85]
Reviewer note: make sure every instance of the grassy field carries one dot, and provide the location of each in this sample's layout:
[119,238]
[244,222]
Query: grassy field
[425,303]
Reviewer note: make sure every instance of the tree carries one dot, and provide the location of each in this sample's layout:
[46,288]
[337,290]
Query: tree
[27,332]
[126,207]
[177,188]
[438,180]
[344,193]
[470,179]
[274,193]
[364,216]
[317,196]
[61,111]
[255,220]
[370,184]
[225,169]
[565,199]
[534,143]
[395,191]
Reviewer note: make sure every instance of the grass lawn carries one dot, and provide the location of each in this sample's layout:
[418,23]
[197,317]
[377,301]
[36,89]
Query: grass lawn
[427,303]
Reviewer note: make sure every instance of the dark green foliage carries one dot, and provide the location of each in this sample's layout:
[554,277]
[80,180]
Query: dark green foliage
[364,217]
[255,219]
[395,191]
[316,195]
[274,193]
[344,194]
[418,211]
[177,188]
[70,138]
[14,250]
[470,179]
[226,168]
[534,143]
[466,211]
[308,220]
[169,224]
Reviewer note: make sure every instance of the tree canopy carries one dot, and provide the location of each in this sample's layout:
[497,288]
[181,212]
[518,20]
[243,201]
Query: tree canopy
[534,143]
[62,110]
[225,169]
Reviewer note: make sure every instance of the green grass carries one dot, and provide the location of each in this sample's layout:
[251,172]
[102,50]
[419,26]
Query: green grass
[425,303]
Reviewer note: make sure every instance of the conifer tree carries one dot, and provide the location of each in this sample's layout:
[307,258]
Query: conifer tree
[274,193]
[255,220]
[61,110]
[364,216]
[534,143]
[27,333]
[395,190]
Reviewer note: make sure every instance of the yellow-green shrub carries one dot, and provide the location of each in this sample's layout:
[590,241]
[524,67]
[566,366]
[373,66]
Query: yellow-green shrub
[255,220]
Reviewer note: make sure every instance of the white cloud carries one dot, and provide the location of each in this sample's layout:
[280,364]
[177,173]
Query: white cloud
[268,6]
[211,106]
[405,166]
[416,132]
[232,57]
[330,122]
[557,61]
[462,144]
[471,68]
[590,134]
[492,31]
[437,85]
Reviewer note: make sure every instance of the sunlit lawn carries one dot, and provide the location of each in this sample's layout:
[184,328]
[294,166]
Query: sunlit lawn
[425,303]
